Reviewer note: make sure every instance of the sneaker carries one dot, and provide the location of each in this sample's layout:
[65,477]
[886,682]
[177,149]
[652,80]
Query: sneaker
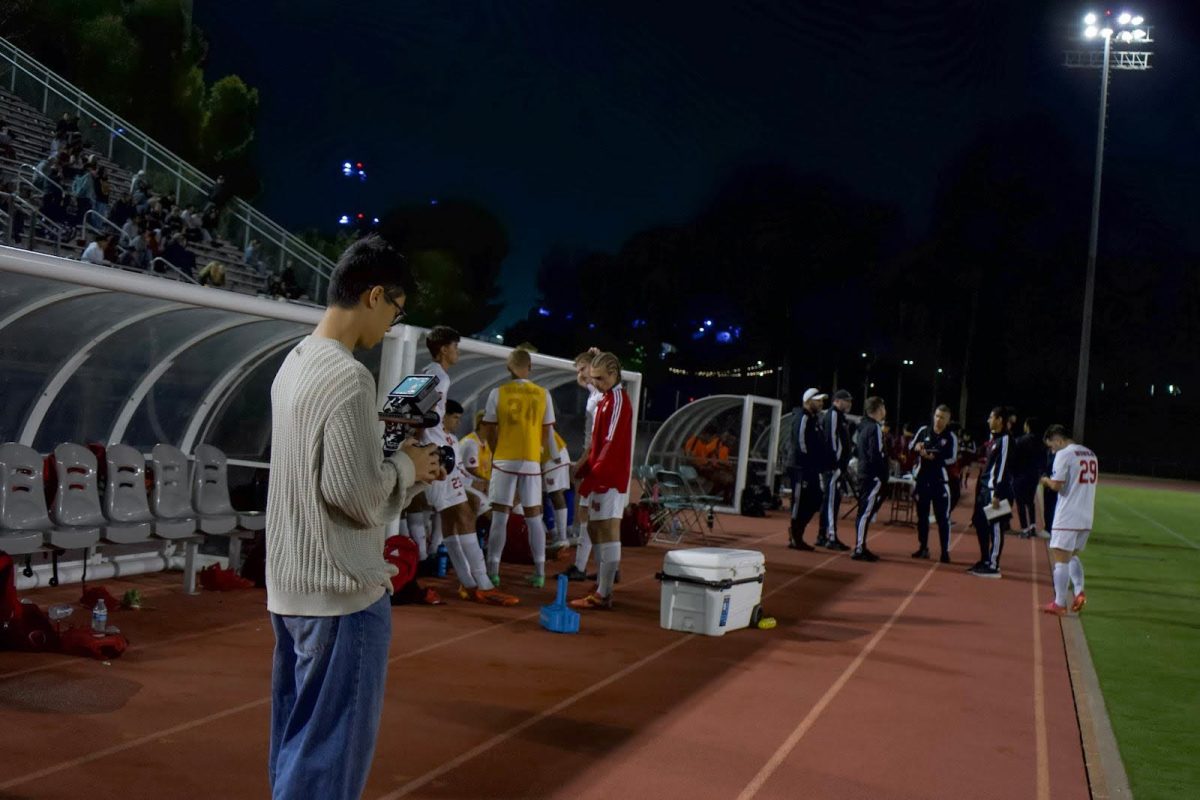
[984,571]
[1079,602]
[593,600]
[555,546]
[864,555]
[945,559]
[822,540]
[836,545]
[464,593]
[493,597]
[922,552]
[975,566]
[574,573]
[1054,608]
[432,598]
[536,581]
[800,544]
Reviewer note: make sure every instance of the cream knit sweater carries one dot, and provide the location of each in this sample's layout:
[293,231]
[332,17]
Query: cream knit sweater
[331,491]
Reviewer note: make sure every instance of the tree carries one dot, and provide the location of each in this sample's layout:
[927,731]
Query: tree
[227,126]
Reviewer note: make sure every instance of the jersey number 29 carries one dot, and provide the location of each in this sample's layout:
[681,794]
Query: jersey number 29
[1087,470]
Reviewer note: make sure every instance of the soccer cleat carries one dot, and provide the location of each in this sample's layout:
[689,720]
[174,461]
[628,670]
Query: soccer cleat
[800,544]
[1054,608]
[863,555]
[536,581]
[464,593]
[556,545]
[1079,602]
[495,579]
[432,598]
[493,597]
[833,543]
[984,571]
[922,552]
[593,600]
[574,573]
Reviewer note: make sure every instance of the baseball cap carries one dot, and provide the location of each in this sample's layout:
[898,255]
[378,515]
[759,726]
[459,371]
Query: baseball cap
[842,394]
[814,394]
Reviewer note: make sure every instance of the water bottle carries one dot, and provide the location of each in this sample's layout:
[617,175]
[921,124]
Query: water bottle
[99,619]
[442,557]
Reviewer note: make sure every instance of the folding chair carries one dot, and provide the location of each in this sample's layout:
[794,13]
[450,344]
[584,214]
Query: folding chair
[706,502]
[682,513]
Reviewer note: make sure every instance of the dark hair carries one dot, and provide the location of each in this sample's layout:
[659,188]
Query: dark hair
[1003,412]
[369,262]
[1056,430]
[872,405]
[438,337]
[1032,423]
[944,407]
[453,406]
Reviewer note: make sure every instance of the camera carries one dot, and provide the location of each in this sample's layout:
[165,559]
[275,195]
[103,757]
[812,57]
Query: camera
[407,410]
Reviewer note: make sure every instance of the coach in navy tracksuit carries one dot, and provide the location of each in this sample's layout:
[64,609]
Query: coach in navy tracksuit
[937,451]
[808,459]
[873,473]
[837,440]
[994,485]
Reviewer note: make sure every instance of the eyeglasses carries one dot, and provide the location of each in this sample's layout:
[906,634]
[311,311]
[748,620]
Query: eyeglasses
[400,312]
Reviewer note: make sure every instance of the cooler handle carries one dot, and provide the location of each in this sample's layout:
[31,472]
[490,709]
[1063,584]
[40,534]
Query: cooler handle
[724,583]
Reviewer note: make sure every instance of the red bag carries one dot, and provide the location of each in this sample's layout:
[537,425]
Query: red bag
[516,546]
[636,526]
[222,579]
[82,642]
[401,552]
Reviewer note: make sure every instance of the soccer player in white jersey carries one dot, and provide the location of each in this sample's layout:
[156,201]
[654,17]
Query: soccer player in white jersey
[583,547]
[448,497]
[1073,476]
[518,422]
[556,479]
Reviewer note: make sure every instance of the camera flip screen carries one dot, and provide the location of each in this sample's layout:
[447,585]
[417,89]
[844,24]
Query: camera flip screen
[413,385]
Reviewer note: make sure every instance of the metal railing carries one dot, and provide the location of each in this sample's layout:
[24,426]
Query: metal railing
[34,175]
[9,202]
[124,144]
[172,268]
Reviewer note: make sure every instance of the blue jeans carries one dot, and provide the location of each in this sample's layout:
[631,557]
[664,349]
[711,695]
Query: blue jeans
[326,699]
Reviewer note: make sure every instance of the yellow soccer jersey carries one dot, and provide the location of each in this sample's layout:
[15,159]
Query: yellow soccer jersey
[477,455]
[520,410]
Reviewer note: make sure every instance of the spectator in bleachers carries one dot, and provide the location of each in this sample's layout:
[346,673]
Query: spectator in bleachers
[66,125]
[94,252]
[122,211]
[285,284]
[84,189]
[219,195]
[253,257]
[177,254]
[8,142]
[209,221]
[153,243]
[213,274]
[103,190]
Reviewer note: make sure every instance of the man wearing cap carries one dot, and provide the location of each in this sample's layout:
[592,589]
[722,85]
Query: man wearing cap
[836,436]
[808,459]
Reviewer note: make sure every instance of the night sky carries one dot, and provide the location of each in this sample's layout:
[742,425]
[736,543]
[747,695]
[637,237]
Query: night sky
[581,124]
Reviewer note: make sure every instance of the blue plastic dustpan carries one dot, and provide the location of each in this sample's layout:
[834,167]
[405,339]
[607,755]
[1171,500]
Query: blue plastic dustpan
[558,617]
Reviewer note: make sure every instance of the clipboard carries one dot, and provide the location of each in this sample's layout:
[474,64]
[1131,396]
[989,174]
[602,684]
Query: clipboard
[990,512]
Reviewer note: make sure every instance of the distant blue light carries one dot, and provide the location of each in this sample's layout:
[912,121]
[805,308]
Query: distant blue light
[570,315]
[347,165]
[376,220]
[544,312]
[433,202]
[708,323]
[698,334]
[591,326]
[639,323]
[724,337]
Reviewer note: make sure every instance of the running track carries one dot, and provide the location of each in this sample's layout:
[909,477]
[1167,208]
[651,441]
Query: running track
[900,679]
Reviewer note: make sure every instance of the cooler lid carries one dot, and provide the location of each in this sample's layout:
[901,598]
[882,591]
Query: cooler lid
[712,558]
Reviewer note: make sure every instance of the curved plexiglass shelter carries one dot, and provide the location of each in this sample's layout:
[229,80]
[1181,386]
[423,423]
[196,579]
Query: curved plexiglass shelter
[747,427]
[92,354]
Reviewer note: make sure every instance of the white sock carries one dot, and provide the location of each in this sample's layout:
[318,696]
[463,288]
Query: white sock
[1076,567]
[436,537]
[416,531]
[469,543]
[560,524]
[462,567]
[496,539]
[402,529]
[583,550]
[608,554]
[1061,576]
[537,543]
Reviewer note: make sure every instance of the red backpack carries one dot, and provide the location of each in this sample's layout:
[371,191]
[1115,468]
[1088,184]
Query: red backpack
[636,526]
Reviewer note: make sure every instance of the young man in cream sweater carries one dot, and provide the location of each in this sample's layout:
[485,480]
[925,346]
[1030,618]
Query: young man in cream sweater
[331,493]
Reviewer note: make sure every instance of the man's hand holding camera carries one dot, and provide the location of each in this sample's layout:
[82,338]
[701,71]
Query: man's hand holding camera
[426,460]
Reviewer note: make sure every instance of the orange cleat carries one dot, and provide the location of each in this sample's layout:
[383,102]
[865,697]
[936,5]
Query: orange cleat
[1080,602]
[494,597]
[1054,608]
[593,600]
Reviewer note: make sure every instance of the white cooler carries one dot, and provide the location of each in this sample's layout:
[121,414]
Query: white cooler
[711,590]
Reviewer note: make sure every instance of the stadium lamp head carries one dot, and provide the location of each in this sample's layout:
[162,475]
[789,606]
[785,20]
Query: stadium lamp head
[1106,32]
[1124,18]
[1091,31]
[1089,19]
[1138,19]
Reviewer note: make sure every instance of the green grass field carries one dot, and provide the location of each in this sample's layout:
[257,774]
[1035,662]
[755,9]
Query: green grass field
[1142,577]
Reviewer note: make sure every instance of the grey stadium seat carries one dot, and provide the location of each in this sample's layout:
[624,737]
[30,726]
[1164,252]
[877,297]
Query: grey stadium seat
[23,517]
[210,490]
[76,508]
[173,514]
[125,502]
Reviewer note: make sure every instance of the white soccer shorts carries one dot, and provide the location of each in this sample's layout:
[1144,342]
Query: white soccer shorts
[1068,540]
[606,505]
[511,488]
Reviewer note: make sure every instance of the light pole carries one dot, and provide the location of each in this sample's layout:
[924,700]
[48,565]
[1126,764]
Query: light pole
[899,383]
[1129,29]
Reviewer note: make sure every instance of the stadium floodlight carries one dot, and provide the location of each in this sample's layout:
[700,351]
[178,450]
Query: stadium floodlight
[1126,28]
